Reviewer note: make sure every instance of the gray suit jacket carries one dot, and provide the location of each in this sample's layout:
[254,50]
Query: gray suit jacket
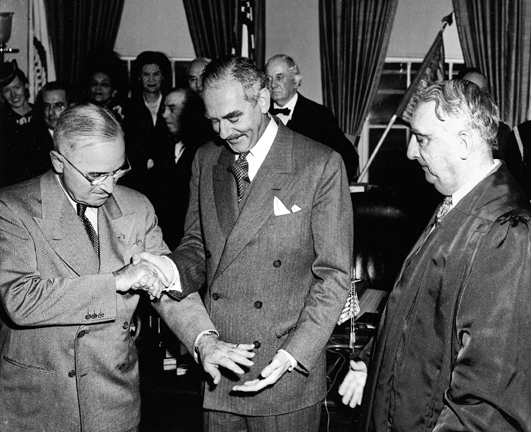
[277,281]
[68,361]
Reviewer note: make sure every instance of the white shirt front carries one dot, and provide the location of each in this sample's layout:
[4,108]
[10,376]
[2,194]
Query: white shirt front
[290,105]
[258,153]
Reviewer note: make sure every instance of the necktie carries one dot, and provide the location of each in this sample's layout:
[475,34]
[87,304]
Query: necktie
[240,169]
[276,111]
[89,228]
[443,210]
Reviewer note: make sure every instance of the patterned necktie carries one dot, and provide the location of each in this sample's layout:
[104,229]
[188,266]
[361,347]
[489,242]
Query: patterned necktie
[240,169]
[443,210]
[89,228]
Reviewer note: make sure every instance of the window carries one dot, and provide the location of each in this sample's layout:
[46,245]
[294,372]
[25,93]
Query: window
[390,161]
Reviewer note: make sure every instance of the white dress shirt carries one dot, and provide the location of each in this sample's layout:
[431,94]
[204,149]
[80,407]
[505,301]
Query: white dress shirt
[290,105]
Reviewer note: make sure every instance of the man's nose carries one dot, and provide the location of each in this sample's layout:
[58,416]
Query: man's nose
[224,130]
[413,148]
[165,113]
[108,184]
[199,84]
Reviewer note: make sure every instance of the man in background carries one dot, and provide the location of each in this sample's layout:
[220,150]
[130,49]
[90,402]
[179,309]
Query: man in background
[195,74]
[303,115]
[453,346]
[67,356]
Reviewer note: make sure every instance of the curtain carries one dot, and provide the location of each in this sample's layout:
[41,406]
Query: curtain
[78,28]
[495,36]
[215,27]
[354,36]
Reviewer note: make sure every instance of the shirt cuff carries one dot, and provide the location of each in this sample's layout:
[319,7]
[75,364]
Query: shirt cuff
[199,336]
[291,359]
[175,284]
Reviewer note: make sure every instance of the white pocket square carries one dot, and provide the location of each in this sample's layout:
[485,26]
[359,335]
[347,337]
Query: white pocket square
[280,209]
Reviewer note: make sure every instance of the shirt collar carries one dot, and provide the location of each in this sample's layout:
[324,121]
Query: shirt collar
[291,103]
[260,150]
[475,180]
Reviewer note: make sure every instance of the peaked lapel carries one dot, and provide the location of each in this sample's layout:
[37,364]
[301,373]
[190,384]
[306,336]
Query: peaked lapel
[274,178]
[63,228]
[116,235]
[225,192]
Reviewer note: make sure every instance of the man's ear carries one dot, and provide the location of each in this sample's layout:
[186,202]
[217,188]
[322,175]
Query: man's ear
[57,163]
[466,143]
[264,100]
[297,78]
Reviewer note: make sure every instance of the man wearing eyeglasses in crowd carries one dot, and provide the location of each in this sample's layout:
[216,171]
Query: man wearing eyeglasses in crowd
[68,290]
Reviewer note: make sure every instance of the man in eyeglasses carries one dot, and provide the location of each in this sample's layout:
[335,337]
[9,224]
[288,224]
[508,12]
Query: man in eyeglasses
[67,356]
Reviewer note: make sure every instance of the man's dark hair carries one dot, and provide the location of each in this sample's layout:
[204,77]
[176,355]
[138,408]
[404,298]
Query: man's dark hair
[48,87]
[239,69]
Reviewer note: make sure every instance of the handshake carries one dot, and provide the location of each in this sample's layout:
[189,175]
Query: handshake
[148,272]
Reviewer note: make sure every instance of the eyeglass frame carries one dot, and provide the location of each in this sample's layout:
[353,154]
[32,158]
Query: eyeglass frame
[56,106]
[119,173]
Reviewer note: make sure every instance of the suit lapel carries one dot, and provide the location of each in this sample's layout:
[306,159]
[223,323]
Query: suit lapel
[63,228]
[115,231]
[274,178]
[225,191]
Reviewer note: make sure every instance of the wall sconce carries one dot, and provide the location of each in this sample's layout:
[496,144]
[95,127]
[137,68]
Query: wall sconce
[6,18]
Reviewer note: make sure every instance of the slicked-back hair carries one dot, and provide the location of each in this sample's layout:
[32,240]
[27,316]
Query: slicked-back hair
[49,87]
[80,122]
[461,99]
[240,69]
[292,66]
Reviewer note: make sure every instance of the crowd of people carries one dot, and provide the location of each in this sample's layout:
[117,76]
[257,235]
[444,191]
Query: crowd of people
[225,204]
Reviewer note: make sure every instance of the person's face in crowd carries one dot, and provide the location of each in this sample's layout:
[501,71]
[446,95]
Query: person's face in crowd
[151,78]
[100,89]
[173,107]
[93,158]
[282,83]
[435,146]
[239,122]
[54,103]
[15,94]
[195,80]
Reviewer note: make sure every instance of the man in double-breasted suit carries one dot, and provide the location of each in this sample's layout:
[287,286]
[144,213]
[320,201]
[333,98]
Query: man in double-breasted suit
[303,115]
[274,249]
[68,361]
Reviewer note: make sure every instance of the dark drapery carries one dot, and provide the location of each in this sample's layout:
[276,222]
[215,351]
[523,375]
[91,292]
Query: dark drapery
[213,26]
[78,28]
[495,37]
[354,36]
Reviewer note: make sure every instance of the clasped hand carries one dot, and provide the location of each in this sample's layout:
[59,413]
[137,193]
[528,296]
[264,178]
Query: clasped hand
[149,273]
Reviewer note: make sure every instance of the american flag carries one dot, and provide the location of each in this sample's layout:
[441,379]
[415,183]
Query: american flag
[41,67]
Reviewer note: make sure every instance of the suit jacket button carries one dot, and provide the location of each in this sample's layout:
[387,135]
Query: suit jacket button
[125,326]
[208,254]
[257,344]
[277,263]
[72,373]
[88,316]
[81,334]
[258,304]
[216,296]
[94,316]
[101,315]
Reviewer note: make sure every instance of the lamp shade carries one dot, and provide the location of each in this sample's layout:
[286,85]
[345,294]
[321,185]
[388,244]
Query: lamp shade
[6,18]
